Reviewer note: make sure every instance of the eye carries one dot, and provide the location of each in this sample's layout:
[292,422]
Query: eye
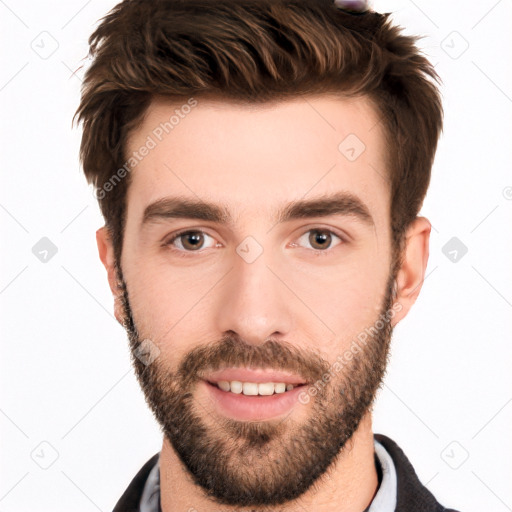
[320,239]
[190,241]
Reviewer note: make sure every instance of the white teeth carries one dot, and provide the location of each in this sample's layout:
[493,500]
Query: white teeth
[224,385]
[280,387]
[253,388]
[266,388]
[235,386]
[250,388]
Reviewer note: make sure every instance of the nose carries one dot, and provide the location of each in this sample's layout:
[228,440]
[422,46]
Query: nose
[254,302]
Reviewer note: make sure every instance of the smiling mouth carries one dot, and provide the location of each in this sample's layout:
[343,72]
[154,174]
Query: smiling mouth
[254,388]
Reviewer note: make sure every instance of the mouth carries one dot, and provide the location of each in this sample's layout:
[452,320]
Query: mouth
[252,395]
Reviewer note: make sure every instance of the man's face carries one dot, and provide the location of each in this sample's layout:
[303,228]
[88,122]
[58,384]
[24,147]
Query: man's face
[265,288]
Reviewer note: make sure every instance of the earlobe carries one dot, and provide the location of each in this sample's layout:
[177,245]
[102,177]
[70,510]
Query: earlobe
[411,274]
[106,254]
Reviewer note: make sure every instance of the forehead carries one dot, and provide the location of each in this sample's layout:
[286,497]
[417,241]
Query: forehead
[253,158]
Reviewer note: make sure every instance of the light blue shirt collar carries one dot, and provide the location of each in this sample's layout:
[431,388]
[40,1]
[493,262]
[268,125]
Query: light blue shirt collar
[385,499]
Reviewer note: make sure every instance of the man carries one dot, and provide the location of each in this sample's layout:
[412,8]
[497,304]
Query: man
[260,166]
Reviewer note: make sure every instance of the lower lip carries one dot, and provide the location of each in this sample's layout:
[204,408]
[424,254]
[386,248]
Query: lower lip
[253,408]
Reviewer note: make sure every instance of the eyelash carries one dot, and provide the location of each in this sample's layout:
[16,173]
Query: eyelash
[184,253]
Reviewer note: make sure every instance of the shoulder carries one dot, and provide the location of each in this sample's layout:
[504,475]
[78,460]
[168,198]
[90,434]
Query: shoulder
[411,493]
[129,501]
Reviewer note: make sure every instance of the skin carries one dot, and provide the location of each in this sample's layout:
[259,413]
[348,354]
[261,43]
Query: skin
[253,160]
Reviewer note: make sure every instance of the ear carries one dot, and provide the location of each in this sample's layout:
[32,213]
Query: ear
[411,274]
[106,253]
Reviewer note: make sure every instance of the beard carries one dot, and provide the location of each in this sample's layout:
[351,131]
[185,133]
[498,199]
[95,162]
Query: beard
[266,463]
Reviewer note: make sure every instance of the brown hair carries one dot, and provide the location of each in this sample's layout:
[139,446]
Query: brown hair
[254,51]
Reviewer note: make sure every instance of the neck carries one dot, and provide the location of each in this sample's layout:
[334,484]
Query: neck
[349,485]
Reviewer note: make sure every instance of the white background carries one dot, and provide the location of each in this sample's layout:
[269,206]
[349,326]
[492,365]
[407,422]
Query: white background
[66,378]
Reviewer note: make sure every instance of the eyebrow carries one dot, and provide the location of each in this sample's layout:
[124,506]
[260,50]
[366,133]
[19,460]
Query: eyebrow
[341,203]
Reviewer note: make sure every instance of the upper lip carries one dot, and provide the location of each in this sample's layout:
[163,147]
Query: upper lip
[253,375]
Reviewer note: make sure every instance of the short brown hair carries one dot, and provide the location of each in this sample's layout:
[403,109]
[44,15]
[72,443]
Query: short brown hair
[254,51]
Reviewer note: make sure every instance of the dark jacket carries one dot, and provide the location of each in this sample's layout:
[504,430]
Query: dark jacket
[412,495]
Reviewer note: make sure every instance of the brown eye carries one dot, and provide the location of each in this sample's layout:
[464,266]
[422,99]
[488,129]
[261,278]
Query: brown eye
[193,240]
[190,241]
[320,239]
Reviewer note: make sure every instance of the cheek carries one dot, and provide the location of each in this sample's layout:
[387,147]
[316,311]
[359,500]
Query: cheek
[166,300]
[347,298]
[346,303]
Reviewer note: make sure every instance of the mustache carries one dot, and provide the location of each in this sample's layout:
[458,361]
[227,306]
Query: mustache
[232,351]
